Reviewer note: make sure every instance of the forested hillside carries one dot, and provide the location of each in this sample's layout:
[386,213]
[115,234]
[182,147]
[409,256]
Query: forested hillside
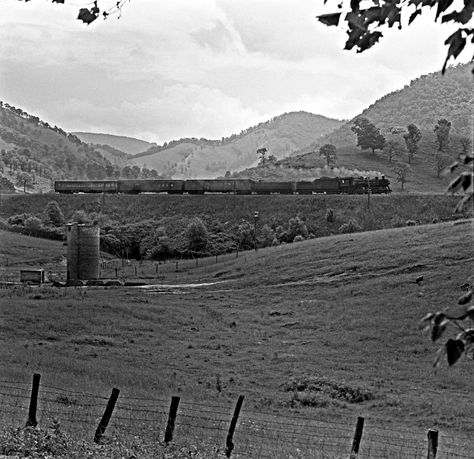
[34,154]
[423,102]
[192,157]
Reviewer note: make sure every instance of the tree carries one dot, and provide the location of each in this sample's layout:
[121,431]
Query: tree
[392,148]
[196,235]
[364,23]
[329,151]
[368,135]
[53,214]
[465,144]
[401,172]
[441,162]
[411,140]
[262,156]
[24,179]
[442,133]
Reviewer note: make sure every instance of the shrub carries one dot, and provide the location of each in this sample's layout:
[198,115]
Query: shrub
[157,245]
[266,236]
[6,185]
[350,227]
[330,216]
[18,219]
[32,225]
[80,216]
[296,227]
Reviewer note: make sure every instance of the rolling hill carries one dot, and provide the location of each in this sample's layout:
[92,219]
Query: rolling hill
[193,157]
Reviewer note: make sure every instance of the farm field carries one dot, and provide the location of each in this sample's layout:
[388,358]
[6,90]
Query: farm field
[293,328]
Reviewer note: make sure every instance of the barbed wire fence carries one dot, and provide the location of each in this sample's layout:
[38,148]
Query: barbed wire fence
[236,432]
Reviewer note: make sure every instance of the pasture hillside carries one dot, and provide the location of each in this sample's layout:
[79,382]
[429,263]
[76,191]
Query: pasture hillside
[324,328]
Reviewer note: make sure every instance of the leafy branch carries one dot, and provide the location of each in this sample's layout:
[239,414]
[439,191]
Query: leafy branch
[91,11]
[363,24]
[437,323]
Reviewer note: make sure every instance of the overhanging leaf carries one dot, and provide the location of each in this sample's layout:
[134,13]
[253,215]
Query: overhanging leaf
[462,181]
[465,298]
[454,350]
[329,19]
[438,326]
[443,5]
[464,201]
[86,16]
[413,16]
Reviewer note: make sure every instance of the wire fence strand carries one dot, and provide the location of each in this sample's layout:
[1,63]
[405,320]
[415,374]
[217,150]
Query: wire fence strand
[257,434]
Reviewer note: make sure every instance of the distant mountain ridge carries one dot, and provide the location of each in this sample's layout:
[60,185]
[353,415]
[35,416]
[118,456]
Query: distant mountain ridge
[129,145]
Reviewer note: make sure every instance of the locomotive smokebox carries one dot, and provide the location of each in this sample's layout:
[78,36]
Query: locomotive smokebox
[83,251]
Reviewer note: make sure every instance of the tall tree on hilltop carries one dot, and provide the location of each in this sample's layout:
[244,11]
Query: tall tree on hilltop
[411,140]
[329,151]
[368,135]
[442,133]
[262,152]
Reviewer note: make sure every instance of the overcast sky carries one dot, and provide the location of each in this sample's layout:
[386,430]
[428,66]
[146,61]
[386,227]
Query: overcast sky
[198,68]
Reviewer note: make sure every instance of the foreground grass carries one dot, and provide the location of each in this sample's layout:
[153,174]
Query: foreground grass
[295,328]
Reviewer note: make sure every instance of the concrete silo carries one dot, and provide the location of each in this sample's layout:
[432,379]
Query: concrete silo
[83,251]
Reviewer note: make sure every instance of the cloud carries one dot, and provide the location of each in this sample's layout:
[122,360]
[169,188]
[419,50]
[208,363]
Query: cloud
[181,111]
[203,69]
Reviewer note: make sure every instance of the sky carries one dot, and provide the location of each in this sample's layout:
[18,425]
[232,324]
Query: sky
[208,68]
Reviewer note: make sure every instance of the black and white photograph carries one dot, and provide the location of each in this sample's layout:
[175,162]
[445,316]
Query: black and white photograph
[236,229]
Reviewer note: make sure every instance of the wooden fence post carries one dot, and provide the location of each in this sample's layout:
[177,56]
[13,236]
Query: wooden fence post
[229,444]
[177,266]
[357,437]
[432,443]
[171,419]
[106,416]
[31,421]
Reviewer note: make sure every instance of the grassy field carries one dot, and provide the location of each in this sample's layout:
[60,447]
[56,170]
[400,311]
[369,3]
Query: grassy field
[295,328]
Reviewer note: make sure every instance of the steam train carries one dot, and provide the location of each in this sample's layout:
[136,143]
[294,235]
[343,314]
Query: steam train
[325,185]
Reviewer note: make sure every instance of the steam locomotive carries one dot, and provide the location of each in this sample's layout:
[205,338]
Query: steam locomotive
[324,185]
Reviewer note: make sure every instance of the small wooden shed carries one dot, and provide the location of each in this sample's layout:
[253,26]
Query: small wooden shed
[34,276]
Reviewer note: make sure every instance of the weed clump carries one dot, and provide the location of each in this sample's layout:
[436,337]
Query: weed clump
[320,392]
[352,226]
